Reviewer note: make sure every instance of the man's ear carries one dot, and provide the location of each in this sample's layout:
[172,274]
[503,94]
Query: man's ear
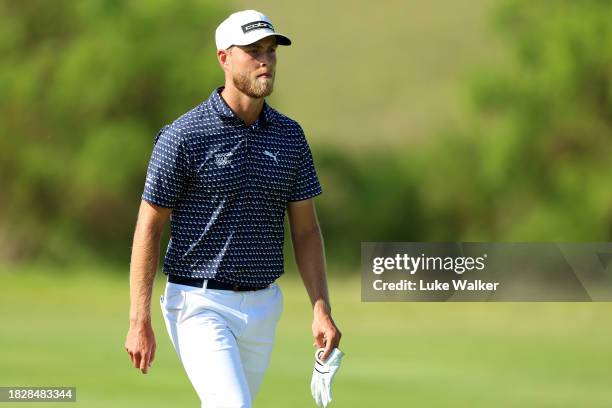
[222,56]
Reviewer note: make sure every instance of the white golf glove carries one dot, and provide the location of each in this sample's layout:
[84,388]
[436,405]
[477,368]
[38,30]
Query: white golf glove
[323,375]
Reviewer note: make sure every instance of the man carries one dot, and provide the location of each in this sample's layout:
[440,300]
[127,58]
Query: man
[224,173]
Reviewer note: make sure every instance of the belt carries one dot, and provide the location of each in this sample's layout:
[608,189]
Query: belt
[211,284]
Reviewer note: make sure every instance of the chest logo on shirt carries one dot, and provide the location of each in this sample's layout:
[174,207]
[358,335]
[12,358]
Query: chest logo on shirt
[271,155]
[223,159]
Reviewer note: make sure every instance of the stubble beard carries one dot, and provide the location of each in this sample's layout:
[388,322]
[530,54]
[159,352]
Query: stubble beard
[258,88]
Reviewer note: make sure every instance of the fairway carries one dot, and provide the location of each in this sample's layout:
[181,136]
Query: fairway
[68,329]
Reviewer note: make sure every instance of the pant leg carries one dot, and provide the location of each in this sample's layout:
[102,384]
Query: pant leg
[264,309]
[207,347]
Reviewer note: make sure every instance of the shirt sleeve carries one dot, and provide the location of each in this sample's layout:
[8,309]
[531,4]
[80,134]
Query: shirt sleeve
[306,184]
[168,169]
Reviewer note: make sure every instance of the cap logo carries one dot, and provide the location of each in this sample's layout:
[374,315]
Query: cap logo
[256,25]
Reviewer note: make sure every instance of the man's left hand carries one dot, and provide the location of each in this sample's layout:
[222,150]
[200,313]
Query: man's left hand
[325,332]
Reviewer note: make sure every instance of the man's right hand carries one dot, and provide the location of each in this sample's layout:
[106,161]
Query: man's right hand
[140,345]
[140,340]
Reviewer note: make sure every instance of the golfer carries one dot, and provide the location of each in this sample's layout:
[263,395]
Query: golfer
[224,173]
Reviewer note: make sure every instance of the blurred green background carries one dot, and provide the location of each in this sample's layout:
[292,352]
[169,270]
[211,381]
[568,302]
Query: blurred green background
[434,120]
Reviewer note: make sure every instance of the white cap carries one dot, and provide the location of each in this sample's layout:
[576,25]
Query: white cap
[246,27]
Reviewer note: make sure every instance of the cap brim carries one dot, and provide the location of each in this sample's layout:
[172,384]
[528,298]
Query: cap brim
[280,38]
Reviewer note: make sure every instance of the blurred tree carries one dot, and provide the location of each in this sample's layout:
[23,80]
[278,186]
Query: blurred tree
[531,161]
[543,134]
[85,86]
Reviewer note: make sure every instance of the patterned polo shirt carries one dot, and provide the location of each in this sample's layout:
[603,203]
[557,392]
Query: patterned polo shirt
[228,185]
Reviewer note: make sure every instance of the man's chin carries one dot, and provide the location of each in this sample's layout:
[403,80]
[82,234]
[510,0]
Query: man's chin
[260,88]
[261,92]
[267,87]
[267,92]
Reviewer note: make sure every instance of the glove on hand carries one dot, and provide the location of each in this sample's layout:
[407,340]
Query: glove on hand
[323,375]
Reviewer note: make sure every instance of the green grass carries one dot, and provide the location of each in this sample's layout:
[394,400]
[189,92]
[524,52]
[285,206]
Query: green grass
[68,329]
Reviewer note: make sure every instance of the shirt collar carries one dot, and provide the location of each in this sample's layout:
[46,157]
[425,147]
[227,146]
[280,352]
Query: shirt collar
[222,109]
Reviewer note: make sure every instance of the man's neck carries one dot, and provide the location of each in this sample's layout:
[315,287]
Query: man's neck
[243,106]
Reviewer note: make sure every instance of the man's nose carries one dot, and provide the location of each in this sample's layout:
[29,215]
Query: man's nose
[267,58]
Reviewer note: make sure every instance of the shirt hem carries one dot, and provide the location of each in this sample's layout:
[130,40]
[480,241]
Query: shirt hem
[306,197]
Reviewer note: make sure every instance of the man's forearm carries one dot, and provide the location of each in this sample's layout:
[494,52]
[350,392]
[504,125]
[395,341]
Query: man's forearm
[143,266]
[310,258]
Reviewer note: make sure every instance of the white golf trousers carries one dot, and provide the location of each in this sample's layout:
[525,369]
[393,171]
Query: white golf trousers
[223,338]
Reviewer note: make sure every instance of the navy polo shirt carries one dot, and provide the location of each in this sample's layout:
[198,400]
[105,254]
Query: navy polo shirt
[228,185]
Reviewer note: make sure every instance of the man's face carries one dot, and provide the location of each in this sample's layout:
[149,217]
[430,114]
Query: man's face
[252,67]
